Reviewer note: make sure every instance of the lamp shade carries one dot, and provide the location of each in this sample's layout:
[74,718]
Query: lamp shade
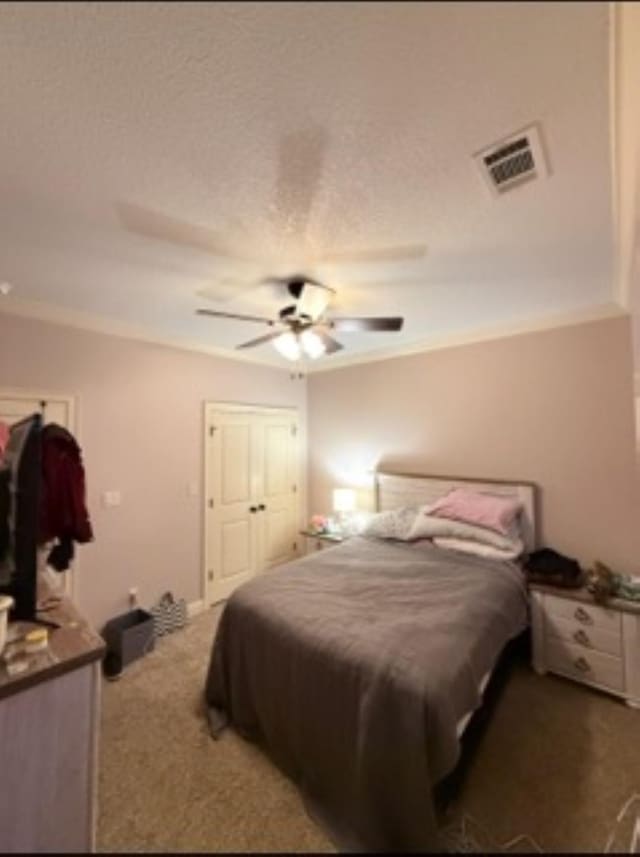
[287,344]
[344,499]
[312,345]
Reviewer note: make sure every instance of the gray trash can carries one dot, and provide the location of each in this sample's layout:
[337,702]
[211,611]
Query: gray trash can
[128,637]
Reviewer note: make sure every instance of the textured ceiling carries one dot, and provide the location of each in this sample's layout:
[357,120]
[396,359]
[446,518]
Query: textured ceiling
[295,130]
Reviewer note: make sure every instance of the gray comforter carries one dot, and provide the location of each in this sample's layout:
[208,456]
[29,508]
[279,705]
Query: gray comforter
[353,666]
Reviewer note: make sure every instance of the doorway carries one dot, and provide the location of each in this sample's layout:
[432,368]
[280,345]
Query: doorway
[252,494]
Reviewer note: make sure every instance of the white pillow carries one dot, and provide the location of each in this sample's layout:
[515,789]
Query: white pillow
[430,527]
[394,524]
[479,549]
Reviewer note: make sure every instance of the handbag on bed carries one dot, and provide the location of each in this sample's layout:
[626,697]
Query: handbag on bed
[169,614]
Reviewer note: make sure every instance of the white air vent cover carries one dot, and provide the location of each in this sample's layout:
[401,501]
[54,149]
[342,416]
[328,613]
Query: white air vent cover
[512,161]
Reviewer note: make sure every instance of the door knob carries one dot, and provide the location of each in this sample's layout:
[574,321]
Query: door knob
[261,507]
[253,509]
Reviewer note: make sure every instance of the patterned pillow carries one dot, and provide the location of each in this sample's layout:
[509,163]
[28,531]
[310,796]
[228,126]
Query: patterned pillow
[394,524]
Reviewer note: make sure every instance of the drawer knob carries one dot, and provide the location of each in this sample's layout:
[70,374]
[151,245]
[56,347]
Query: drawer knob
[582,616]
[581,637]
[582,665]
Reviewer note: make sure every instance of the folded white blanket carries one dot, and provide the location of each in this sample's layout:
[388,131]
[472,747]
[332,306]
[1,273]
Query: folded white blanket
[481,549]
[431,527]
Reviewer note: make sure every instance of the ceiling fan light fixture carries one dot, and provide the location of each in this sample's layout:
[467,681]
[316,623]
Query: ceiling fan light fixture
[313,301]
[287,344]
[312,344]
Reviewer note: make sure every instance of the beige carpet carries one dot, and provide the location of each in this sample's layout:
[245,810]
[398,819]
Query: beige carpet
[556,763]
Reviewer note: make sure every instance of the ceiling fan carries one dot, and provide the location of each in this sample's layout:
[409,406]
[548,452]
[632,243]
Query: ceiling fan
[302,327]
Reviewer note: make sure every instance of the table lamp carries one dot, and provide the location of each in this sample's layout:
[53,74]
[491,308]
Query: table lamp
[344,501]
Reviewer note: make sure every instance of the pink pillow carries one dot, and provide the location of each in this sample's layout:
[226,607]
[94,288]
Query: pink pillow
[473,507]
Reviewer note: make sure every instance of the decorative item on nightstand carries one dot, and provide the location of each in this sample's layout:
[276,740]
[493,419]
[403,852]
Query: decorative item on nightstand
[603,584]
[344,503]
[318,524]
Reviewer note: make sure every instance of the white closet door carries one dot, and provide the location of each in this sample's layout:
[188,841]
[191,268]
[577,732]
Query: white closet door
[232,526]
[14,406]
[278,489]
[251,512]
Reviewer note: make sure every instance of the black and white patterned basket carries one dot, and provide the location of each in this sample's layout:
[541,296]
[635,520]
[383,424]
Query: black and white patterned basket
[169,614]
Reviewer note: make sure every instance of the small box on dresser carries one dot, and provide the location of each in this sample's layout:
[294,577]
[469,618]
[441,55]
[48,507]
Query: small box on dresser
[598,645]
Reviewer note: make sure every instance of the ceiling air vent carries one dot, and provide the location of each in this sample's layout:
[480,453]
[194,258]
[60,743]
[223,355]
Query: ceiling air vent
[512,161]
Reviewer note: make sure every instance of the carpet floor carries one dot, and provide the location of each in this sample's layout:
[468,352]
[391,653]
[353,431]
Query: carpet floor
[556,764]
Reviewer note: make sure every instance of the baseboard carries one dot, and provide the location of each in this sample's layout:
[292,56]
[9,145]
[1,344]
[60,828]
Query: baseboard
[195,607]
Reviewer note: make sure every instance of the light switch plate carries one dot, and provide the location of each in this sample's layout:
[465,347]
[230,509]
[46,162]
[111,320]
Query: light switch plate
[111,499]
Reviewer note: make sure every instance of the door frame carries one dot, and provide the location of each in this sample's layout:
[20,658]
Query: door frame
[209,408]
[71,402]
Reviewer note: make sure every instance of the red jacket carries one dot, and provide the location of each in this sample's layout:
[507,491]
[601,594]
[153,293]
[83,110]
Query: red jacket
[63,513]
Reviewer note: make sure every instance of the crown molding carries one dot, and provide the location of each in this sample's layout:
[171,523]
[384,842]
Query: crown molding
[486,334]
[79,320]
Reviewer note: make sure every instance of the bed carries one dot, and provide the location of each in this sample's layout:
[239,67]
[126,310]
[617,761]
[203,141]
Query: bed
[359,667]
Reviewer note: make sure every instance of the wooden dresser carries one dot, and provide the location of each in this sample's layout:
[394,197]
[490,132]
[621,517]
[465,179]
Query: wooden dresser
[590,643]
[49,742]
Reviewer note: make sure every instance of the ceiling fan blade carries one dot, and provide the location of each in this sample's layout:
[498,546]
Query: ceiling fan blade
[383,254]
[301,155]
[217,314]
[162,227]
[357,325]
[330,343]
[260,340]
[226,289]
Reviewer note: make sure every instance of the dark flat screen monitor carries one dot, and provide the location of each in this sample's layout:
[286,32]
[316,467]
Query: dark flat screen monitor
[20,478]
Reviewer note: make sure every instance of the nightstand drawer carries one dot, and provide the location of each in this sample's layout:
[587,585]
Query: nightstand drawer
[588,637]
[587,615]
[589,666]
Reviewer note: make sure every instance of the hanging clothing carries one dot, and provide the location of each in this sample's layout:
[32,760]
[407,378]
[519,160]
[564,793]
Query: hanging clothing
[6,566]
[63,511]
[4,438]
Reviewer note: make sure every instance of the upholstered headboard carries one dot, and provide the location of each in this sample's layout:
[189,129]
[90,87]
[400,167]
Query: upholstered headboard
[409,489]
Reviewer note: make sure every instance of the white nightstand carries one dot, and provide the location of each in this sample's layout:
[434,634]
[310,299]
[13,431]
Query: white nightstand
[318,541]
[593,644]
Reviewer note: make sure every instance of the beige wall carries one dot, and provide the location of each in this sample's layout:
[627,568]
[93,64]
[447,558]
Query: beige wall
[140,412]
[555,407]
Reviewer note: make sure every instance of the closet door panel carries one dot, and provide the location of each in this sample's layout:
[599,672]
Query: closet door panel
[236,463]
[279,524]
[277,479]
[232,528]
[279,537]
[237,556]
